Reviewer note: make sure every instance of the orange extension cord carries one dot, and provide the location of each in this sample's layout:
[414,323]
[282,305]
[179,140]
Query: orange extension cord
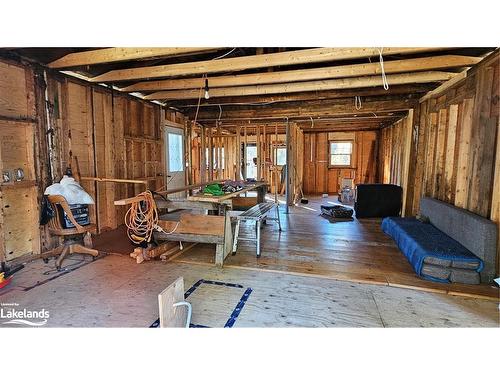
[142,218]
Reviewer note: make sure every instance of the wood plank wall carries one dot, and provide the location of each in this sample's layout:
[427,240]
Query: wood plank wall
[112,135]
[19,129]
[452,144]
[320,178]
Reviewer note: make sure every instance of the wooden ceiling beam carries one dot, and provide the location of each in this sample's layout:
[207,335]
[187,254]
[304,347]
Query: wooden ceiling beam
[332,84]
[418,88]
[330,127]
[398,66]
[110,55]
[342,127]
[325,120]
[234,64]
[324,108]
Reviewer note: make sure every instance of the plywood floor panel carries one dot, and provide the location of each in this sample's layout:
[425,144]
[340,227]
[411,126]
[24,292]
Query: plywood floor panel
[116,292]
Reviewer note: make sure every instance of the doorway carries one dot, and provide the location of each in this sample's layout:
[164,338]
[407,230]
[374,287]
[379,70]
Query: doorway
[174,159]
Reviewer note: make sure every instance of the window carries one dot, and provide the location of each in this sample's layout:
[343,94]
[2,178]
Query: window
[280,155]
[340,153]
[175,152]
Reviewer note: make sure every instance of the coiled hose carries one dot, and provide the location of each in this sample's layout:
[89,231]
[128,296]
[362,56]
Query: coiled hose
[142,218]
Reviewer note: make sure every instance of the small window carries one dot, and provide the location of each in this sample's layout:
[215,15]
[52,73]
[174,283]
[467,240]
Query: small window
[340,153]
[280,155]
[175,152]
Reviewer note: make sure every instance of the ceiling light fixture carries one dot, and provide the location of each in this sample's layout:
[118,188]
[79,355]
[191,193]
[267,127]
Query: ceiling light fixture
[207,95]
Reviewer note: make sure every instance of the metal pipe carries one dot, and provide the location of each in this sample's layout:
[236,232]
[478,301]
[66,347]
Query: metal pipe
[189,313]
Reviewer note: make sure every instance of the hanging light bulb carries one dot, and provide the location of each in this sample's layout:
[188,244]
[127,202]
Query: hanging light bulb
[207,95]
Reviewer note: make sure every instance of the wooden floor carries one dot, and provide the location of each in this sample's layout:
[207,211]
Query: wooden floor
[314,274]
[356,251]
[116,292]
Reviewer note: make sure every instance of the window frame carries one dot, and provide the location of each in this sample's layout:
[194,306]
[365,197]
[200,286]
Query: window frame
[275,153]
[330,165]
[170,154]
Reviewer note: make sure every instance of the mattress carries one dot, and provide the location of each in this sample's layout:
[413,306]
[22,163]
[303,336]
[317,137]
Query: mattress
[432,254]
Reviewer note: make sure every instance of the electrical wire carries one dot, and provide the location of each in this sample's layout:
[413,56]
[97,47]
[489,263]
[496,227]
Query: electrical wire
[220,114]
[381,60]
[199,100]
[224,55]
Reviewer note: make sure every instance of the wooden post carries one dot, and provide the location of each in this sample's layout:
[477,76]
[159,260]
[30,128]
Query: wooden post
[210,154]
[287,191]
[219,153]
[203,161]
[238,153]
[245,153]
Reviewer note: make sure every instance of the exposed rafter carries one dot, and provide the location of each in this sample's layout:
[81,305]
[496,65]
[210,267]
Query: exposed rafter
[418,89]
[305,56]
[341,83]
[323,108]
[109,55]
[399,66]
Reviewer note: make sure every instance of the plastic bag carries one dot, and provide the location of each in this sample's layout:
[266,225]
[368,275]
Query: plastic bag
[70,190]
[213,189]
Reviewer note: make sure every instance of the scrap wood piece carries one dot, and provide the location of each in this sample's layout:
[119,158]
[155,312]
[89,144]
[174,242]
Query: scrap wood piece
[126,201]
[118,180]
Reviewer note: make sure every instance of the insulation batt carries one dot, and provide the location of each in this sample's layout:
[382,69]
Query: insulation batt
[70,190]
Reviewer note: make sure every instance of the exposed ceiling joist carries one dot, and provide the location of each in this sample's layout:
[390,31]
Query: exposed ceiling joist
[416,89]
[305,56]
[333,84]
[109,55]
[399,66]
[324,108]
[366,118]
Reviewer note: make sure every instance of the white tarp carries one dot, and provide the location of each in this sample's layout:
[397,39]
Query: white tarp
[70,190]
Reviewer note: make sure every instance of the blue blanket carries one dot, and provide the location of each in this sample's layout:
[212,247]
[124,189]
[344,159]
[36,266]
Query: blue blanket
[418,240]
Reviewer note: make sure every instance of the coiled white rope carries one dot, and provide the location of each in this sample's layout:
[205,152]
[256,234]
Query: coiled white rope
[381,60]
[357,102]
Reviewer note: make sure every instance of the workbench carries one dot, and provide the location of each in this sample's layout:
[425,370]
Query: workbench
[223,202]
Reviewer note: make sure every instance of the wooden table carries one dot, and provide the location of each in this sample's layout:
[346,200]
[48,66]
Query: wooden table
[224,201]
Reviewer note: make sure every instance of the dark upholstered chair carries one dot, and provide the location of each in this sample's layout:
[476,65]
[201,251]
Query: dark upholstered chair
[378,200]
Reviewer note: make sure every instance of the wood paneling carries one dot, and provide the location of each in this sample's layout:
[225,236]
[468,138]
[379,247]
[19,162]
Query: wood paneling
[112,137]
[453,145]
[16,87]
[102,133]
[19,230]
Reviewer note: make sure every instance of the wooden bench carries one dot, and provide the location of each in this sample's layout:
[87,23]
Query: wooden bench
[258,214]
[202,229]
